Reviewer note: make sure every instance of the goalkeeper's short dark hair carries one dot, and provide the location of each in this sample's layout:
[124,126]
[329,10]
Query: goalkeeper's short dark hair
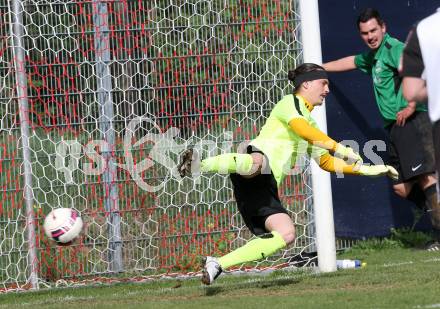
[300,70]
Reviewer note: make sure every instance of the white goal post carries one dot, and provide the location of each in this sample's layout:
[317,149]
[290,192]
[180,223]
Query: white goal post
[322,191]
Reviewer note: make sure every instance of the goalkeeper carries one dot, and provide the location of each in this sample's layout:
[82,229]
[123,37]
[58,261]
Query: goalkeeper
[256,175]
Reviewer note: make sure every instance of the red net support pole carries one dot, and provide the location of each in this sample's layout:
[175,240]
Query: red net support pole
[105,102]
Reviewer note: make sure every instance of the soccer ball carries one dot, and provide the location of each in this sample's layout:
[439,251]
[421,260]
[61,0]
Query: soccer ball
[63,225]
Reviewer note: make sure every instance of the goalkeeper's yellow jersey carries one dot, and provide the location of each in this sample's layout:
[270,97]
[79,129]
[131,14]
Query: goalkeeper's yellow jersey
[280,143]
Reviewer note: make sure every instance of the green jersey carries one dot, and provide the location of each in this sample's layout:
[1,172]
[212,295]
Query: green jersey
[282,146]
[382,64]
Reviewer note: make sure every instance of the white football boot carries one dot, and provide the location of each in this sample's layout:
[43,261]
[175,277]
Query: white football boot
[211,270]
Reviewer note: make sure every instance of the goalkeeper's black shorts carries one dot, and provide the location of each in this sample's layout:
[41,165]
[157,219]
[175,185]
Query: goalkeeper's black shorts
[411,148]
[257,198]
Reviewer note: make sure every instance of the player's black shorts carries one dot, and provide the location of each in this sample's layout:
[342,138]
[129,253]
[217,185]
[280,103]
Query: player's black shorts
[257,198]
[411,148]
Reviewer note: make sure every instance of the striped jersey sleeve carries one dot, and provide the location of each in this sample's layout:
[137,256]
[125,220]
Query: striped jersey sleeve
[412,60]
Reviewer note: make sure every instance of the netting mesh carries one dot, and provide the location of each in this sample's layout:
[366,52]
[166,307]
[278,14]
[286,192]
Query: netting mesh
[110,83]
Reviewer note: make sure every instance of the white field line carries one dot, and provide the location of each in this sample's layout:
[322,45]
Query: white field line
[397,264]
[290,274]
[428,306]
[433,260]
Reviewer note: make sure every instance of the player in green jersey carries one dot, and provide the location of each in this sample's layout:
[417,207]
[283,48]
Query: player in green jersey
[411,149]
[289,133]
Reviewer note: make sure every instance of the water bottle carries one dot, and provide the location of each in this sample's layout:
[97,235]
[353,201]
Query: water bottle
[343,264]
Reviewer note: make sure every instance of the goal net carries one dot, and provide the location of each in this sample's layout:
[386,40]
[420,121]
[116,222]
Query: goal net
[101,97]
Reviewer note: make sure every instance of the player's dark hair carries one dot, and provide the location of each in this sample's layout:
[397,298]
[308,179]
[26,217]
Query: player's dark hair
[367,14]
[303,70]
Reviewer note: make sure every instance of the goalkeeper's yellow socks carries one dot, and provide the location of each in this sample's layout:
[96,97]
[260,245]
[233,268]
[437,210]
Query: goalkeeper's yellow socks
[254,250]
[228,163]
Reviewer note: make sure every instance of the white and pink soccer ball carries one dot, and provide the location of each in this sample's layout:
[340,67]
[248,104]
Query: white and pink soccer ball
[63,225]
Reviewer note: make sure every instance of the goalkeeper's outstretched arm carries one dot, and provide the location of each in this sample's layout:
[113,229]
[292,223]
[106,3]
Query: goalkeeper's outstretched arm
[336,165]
[332,164]
[318,138]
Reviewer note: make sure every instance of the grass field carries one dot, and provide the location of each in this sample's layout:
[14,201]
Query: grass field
[396,276]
